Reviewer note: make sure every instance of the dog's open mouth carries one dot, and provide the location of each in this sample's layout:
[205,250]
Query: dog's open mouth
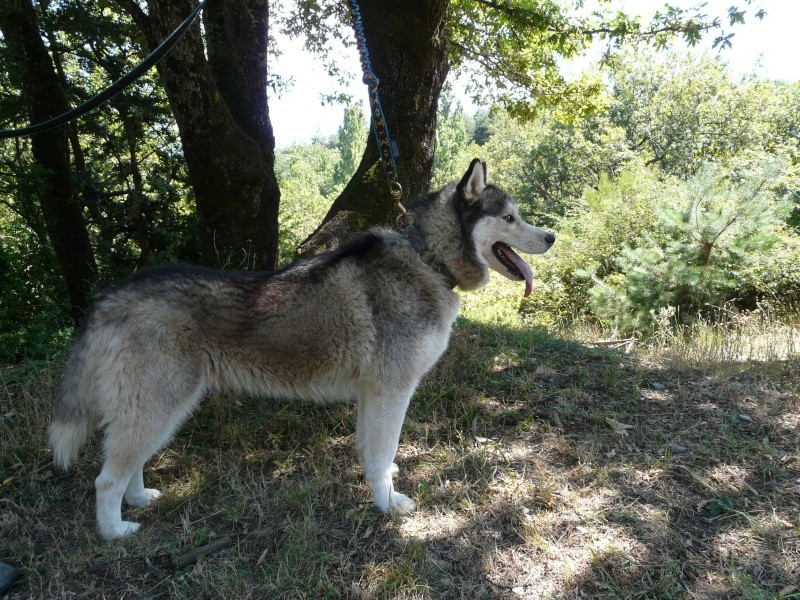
[517,268]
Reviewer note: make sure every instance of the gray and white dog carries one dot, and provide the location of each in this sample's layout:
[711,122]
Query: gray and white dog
[362,323]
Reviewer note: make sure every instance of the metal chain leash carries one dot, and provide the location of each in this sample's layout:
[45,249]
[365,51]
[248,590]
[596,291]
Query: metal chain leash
[387,147]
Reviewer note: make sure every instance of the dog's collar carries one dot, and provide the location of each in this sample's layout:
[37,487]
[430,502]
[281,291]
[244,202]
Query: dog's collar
[418,241]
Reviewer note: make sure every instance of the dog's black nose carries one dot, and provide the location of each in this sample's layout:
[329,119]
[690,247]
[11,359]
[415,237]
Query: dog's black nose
[550,238]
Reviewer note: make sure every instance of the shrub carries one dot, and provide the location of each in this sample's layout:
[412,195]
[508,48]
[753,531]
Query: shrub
[722,240]
[35,321]
[590,241]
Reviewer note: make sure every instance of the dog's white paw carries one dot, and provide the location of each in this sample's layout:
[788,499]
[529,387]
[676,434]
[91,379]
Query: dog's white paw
[146,497]
[400,503]
[394,469]
[119,530]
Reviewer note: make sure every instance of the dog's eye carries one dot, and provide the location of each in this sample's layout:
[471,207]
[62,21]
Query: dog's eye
[509,218]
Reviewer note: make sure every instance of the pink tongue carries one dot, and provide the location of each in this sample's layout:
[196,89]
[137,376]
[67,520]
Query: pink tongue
[521,265]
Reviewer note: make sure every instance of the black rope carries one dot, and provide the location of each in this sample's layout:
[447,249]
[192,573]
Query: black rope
[115,88]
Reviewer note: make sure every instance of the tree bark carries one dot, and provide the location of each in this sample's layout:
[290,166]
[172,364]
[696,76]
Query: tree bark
[408,50]
[44,98]
[220,107]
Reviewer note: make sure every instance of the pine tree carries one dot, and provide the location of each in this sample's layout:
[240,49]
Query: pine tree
[452,137]
[350,141]
[705,241]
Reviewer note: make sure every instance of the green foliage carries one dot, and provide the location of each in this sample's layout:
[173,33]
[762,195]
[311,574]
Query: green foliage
[617,187]
[128,165]
[126,162]
[713,244]
[681,111]
[34,317]
[672,112]
[481,126]
[492,38]
[547,164]
[591,237]
[126,155]
[350,142]
[511,53]
[644,247]
[305,174]
[453,150]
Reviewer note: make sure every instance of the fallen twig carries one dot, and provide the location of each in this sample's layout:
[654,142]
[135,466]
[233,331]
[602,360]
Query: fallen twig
[627,344]
[191,557]
[699,479]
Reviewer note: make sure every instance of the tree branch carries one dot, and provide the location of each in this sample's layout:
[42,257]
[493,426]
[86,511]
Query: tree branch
[503,68]
[136,13]
[541,22]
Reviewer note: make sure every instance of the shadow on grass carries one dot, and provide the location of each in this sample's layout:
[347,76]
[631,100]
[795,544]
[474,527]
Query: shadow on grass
[543,468]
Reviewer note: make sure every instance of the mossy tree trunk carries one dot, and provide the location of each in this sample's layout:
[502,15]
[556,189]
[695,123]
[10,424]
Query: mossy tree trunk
[220,106]
[44,98]
[407,48]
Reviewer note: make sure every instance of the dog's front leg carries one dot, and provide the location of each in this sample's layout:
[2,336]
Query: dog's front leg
[380,419]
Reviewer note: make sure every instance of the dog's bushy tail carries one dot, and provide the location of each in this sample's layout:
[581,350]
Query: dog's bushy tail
[74,418]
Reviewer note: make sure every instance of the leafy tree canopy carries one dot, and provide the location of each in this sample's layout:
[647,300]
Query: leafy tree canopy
[511,52]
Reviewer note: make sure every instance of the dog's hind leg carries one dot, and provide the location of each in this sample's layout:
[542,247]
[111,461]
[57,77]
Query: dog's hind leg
[136,494]
[126,452]
[132,437]
[380,419]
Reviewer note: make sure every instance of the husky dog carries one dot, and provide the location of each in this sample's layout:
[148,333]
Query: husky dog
[362,323]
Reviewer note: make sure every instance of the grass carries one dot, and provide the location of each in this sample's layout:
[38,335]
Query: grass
[544,467]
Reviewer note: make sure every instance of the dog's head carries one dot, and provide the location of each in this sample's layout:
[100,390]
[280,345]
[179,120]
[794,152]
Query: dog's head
[497,227]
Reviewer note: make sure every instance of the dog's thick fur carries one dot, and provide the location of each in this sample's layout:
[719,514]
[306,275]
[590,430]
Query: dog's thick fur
[363,323]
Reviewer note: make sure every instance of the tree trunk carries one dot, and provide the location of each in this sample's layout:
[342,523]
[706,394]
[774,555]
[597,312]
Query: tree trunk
[240,71]
[407,47]
[221,111]
[44,98]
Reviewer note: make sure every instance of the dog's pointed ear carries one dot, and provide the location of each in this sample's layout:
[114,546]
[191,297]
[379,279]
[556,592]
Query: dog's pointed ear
[473,182]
